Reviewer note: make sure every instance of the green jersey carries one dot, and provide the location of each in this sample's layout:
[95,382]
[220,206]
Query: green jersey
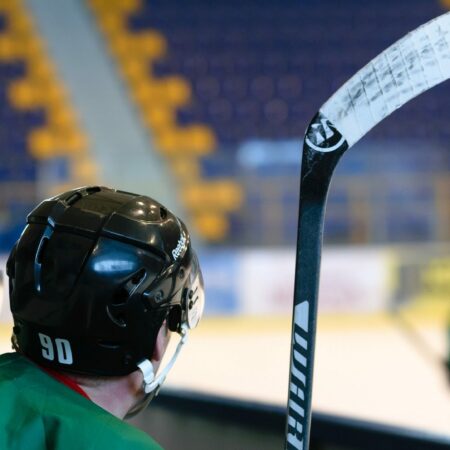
[37,412]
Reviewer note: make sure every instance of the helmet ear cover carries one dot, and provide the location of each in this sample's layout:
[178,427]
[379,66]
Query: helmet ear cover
[189,300]
[174,319]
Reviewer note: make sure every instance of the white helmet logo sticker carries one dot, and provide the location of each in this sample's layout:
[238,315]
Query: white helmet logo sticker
[176,252]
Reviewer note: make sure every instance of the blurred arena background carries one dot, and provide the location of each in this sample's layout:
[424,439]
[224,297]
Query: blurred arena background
[203,106]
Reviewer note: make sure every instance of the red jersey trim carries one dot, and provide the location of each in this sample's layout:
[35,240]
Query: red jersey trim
[64,379]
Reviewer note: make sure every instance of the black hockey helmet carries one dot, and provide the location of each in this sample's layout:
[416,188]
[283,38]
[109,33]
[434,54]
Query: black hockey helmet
[93,276]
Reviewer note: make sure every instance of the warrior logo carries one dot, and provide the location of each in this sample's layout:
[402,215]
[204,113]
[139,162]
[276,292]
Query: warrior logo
[298,387]
[322,135]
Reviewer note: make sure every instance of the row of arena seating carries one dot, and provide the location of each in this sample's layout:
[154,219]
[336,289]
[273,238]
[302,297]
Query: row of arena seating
[38,127]
[358,211]
[208,201]
[206,78]
[257,70]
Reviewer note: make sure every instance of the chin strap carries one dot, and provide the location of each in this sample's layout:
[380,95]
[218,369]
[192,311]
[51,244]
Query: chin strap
[151,383]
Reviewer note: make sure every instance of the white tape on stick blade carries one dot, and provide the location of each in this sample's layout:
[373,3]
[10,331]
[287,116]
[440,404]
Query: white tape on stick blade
[411,66]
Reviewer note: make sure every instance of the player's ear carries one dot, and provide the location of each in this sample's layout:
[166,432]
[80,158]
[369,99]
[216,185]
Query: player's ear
[162,340]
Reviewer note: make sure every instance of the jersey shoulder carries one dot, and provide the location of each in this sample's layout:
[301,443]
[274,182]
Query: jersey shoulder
[35,407]
[118,435]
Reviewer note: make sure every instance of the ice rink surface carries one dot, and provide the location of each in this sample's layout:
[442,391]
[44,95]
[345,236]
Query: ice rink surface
[367,367]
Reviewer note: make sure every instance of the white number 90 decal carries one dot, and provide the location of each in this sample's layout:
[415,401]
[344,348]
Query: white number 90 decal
[62,346]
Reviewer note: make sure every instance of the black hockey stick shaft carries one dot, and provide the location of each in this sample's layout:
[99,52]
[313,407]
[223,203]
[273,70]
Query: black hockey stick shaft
[317,169]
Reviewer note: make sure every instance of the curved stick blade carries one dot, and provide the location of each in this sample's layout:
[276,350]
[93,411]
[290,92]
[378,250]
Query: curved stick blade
[412,65]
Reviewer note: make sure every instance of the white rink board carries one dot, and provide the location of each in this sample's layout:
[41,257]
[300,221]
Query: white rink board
[352,280]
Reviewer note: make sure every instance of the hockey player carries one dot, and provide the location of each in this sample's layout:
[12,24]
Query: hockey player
[98,280]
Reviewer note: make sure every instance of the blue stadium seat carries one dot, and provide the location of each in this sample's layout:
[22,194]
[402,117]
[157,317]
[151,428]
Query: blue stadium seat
[260,69]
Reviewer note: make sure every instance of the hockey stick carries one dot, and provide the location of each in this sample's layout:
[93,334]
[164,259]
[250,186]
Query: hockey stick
[409,67]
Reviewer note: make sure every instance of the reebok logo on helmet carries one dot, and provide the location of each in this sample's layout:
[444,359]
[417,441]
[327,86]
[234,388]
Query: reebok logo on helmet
[176,252]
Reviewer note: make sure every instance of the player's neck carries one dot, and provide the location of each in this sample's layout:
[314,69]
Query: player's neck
[117,395]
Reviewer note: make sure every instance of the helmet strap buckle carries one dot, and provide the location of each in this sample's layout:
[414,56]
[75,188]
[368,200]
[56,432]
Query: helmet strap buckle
[146,367]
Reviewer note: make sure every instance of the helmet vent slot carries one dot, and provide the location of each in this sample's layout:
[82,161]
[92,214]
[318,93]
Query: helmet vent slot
[126,291]
[121,297]
[117,314]
[39,257]
[73,198]
[108,344]
[42,246]
[163,213]
[138,277]
[93,190]
[120,319]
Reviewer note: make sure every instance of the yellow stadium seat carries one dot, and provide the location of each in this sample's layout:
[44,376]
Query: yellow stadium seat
[29,93]
[134,71]
[111,24]
[98,3]
[201,139]
[70,141]
[102,6]
[167,141]
[40,59]
[150,44]
[83,169]
[159,117]
[185,168]
[8,6]
[170,91]
[41,69]
[33,47]
[124,6]
[8,48]
[46,143]
[61,117]
[41,143]
[22,95]
[177,90]
[152,94]
[229,194]
[129,6]
[146,94]
[222,195]
[145,45]
[196,140]
[211,226]
[54,94]
[121,45]
[20,23]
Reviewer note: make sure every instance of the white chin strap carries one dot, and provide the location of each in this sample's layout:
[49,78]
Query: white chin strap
[152,383]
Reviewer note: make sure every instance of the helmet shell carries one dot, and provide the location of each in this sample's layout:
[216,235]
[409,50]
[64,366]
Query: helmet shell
[92,278]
